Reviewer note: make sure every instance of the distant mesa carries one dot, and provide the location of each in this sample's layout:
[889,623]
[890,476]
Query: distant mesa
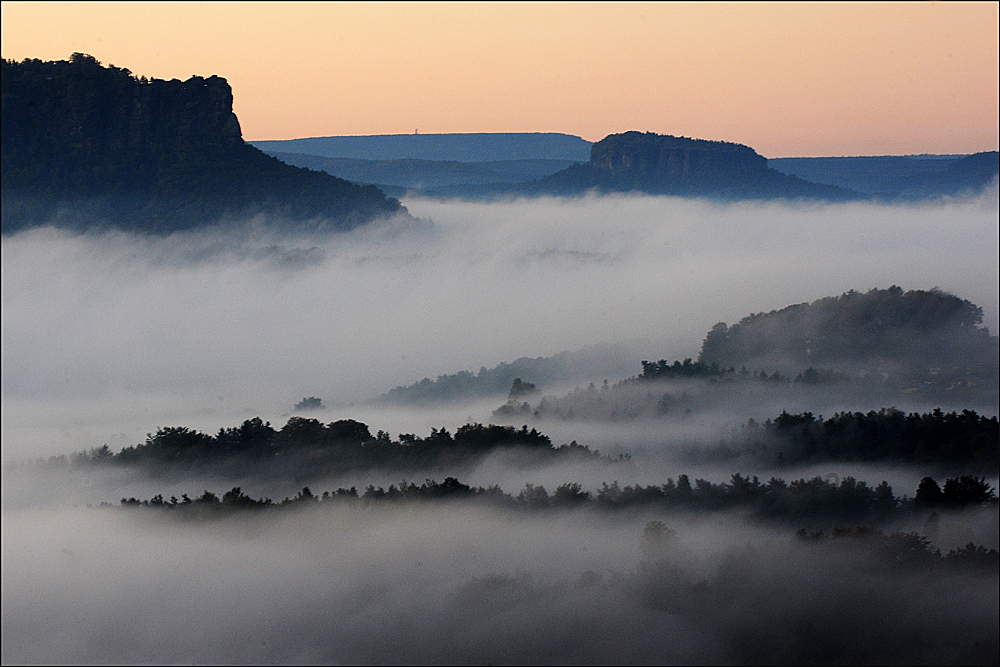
[664,164]
[85,145]
[488,166]
[879,329]
[457,147]
[656,160]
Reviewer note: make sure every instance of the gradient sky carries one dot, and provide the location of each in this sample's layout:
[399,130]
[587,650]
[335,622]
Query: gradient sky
[788,80]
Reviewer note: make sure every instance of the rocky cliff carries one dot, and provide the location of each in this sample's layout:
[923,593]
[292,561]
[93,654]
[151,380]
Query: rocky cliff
[85,145]
[656,160]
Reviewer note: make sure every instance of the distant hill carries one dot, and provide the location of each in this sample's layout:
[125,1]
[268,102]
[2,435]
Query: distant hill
[459,147]
[906,177]
[664,164]
[471,166]
[85,145]
[882,329]
[414,174]
[492,165]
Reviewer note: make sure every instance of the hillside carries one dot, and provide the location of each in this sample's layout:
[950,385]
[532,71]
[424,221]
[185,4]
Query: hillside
[880,330]
[85,145]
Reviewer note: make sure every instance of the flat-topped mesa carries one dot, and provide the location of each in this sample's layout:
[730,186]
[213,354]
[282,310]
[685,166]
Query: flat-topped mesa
[87,146]
[657,161]
[661,164]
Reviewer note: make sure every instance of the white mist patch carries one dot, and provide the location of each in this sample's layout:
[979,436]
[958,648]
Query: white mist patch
[107,336]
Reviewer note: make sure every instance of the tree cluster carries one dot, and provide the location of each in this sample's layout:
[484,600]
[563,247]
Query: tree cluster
[306,444]
[664,370]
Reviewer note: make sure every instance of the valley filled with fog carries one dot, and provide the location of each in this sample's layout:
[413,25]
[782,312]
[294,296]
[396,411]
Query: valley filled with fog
[109,337]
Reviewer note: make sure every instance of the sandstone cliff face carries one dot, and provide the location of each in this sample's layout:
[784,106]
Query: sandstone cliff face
[198,111]
[83,108]
[662,160]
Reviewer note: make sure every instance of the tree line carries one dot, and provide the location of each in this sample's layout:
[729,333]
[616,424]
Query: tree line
[817,499]
[965,441]
[306,444]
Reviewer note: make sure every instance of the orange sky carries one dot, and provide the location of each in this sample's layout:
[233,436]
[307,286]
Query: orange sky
[788,80]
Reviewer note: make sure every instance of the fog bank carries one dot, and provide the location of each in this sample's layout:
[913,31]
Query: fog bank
[106,336]
[436,584]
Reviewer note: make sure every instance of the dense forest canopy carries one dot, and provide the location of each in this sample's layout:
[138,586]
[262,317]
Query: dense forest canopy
[307,447]
[84,144]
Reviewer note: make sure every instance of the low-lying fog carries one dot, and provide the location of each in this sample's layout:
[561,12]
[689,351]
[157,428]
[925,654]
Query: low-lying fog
[450,584]
[107,336]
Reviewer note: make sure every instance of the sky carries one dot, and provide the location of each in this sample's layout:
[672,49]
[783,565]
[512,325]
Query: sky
[788,80]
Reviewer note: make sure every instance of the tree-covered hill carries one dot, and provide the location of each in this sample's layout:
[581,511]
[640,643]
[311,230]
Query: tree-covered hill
[882,329]
[86,145]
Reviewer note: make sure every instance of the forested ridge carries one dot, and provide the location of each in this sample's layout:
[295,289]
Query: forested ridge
[306,446]
[936,439]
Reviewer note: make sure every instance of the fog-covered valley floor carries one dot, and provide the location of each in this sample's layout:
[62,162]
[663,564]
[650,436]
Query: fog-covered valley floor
[107,337]
[417,584]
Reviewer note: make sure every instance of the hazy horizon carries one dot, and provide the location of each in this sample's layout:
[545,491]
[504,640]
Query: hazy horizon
[788,80]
